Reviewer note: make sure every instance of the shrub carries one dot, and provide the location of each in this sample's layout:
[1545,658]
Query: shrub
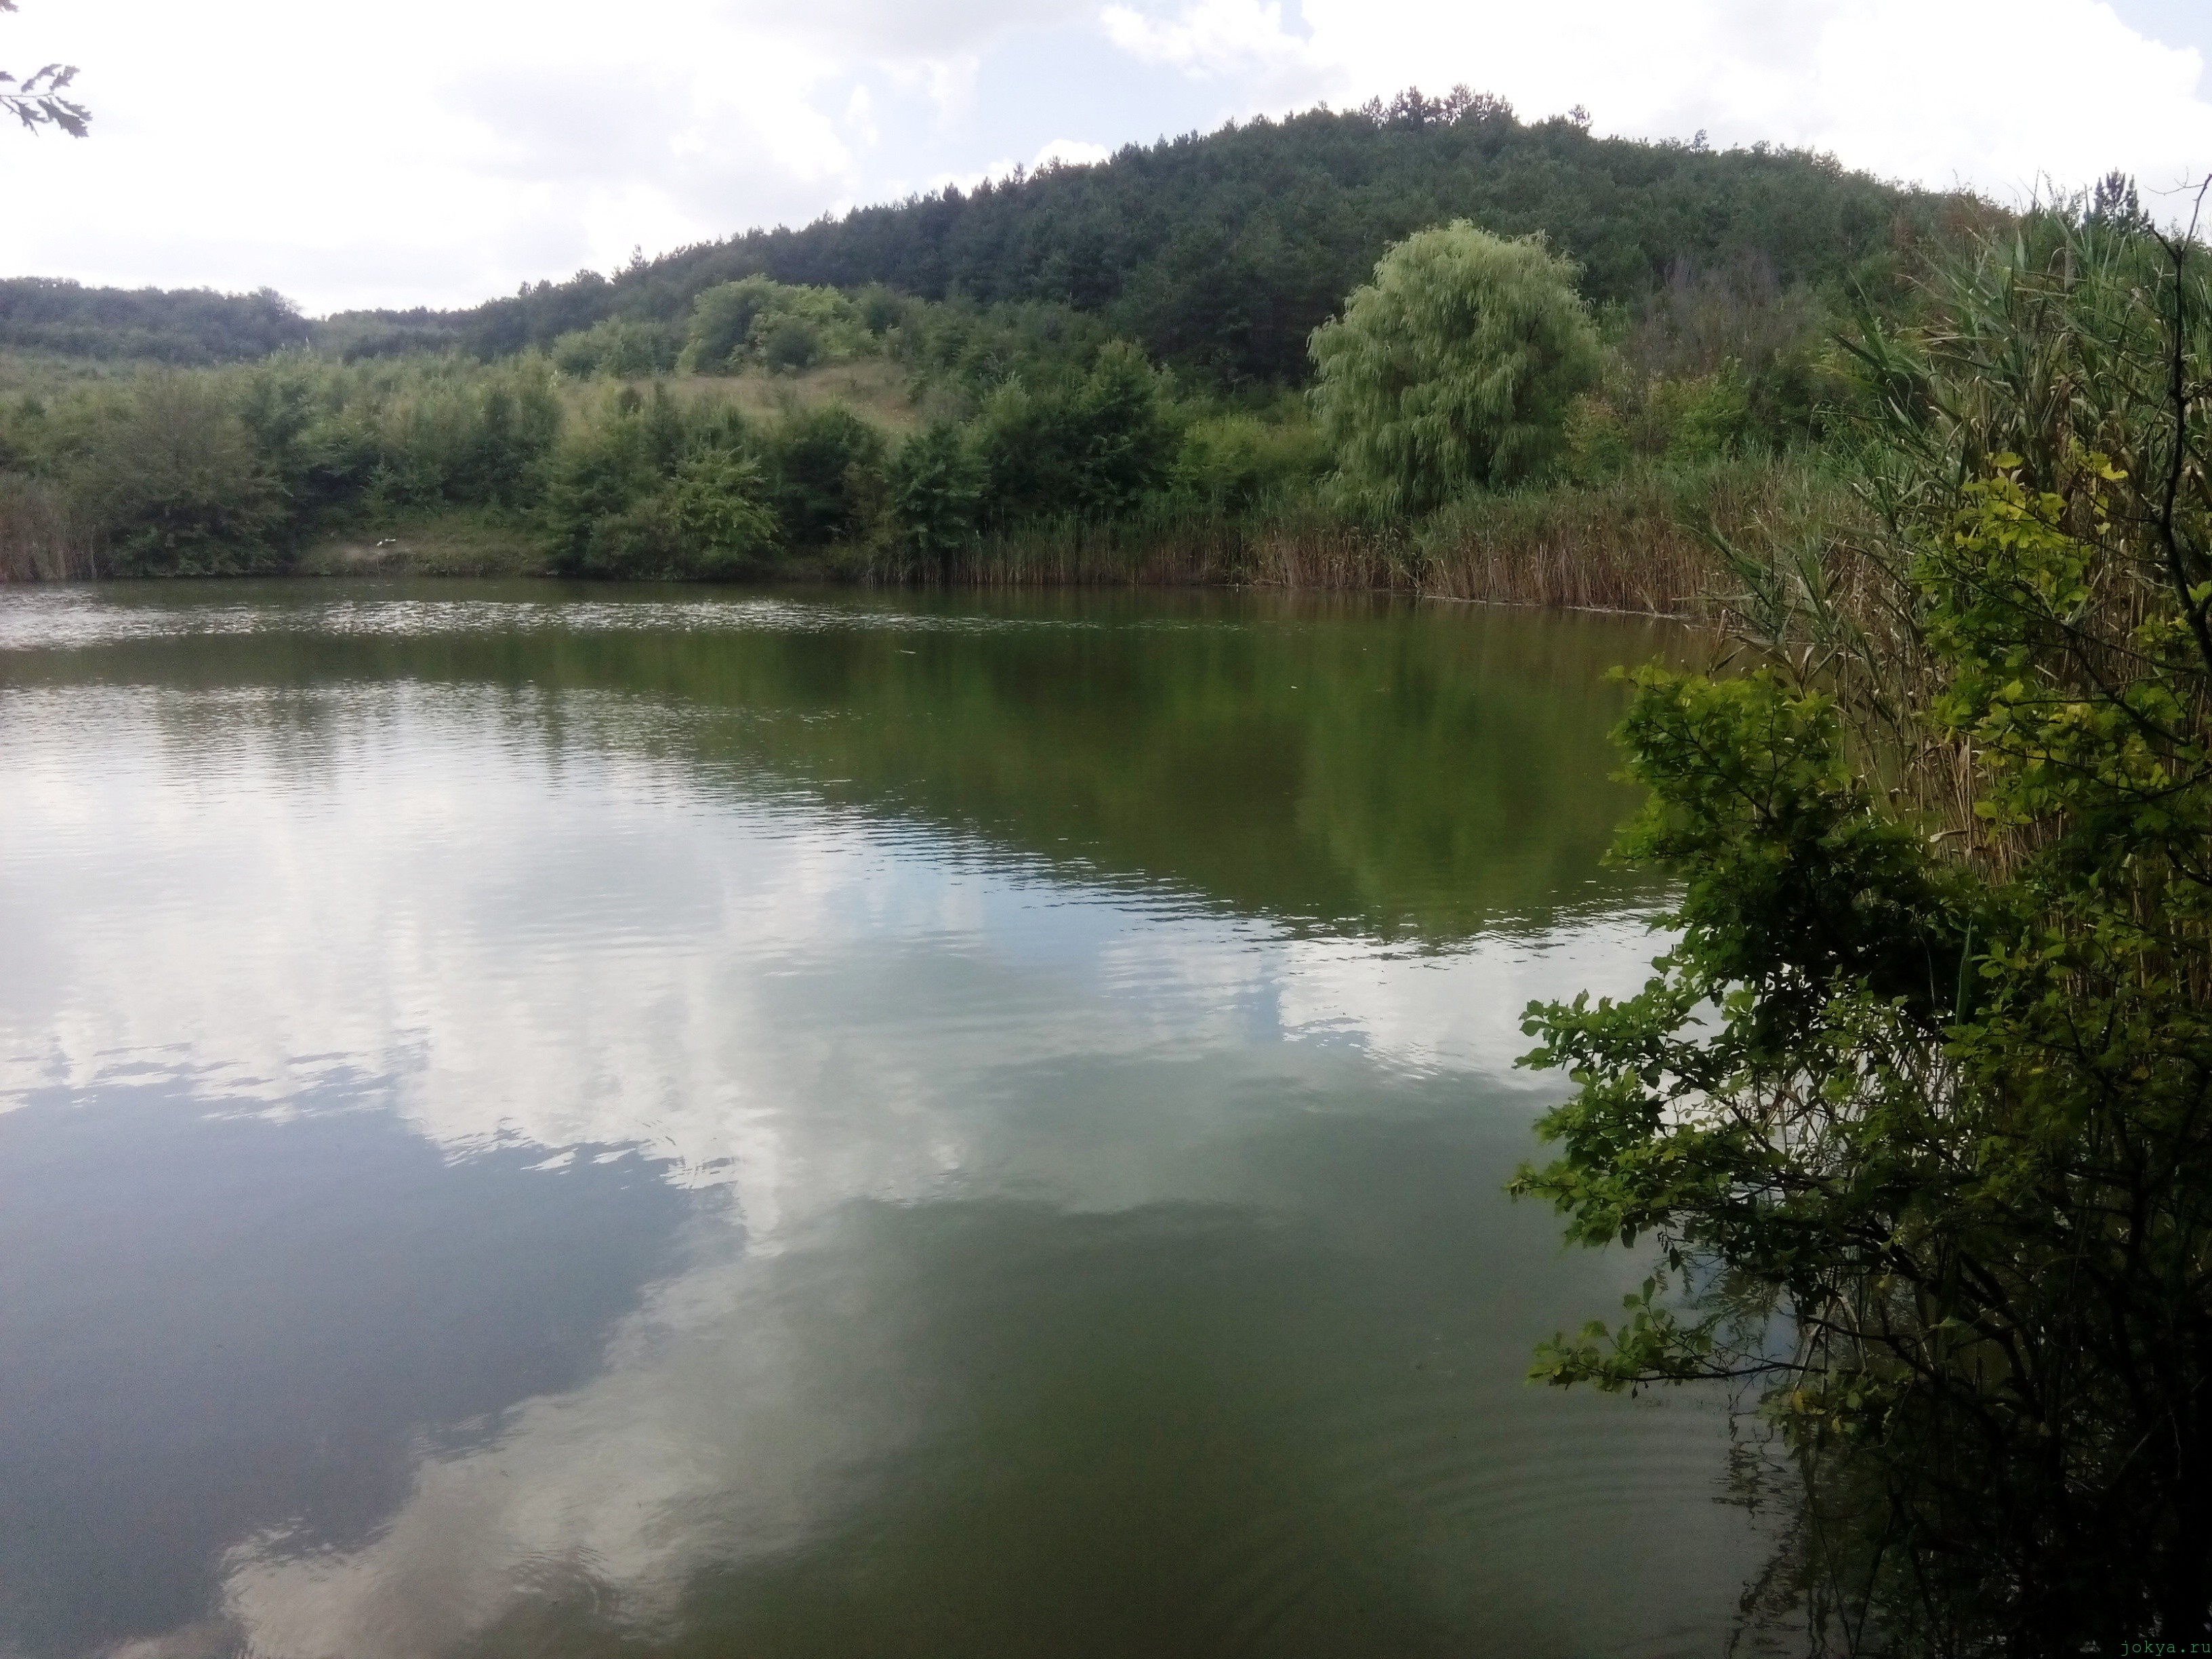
[1235,461]
[759,320]
[825,469]
[936,484]
[1915,1108]
[650,492]
[172,480]
[620,346]
[1093,447]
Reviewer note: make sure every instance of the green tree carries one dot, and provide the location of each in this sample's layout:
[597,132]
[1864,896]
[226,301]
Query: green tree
[652,493]
[1454,368]
[1092,445]
[173,478]
[718,504]
[1917,1109]
[824,467]
[935,485]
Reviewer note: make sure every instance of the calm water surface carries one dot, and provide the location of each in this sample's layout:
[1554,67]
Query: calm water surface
[556,1122]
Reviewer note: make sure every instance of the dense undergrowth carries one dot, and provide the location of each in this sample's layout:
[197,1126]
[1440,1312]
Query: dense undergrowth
[873,437]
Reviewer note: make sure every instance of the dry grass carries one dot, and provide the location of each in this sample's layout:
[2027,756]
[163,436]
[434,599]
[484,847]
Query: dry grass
[452,543]
[1641,542]
[874,388]
[45,375]
[42,538]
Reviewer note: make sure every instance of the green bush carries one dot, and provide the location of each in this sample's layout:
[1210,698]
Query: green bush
[625,347]
[1912,1113]
[825,470]
[650,491]
[1235,461]
[1093,446]
[935,485]
[171,477]
[759,321]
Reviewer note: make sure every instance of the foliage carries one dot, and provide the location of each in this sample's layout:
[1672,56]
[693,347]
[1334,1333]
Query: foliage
[650,492]
[173,479]
[36,101]
[1093,446]
[1235,460]
[774,324]
[183,325]
[969,350]
[625,347]
[1453,369]
[1928,1072]
[936,484]
[823,467]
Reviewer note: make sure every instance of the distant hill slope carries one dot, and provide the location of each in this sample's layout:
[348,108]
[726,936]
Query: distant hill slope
[1223,251]
[176,325]
[1219,252]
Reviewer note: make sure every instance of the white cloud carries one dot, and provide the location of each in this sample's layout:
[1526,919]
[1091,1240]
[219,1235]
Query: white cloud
[1932,90]
[1073,153]
[1216,38]
[443,150]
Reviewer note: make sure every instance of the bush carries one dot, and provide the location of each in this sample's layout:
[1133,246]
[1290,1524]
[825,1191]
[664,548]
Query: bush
[1914,1110]
[171,476]
[824,468]
[936,484]
[1233,462]
[650,492]
[621,346]
[757,320]
[1093,447]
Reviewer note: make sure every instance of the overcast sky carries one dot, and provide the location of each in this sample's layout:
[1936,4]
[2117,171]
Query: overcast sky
[440,151]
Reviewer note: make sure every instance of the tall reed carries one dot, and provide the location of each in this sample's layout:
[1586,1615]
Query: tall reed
[1649,541]
[44,537]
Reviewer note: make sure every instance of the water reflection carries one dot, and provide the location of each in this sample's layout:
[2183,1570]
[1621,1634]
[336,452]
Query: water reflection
[1068,1041]
[215,1328]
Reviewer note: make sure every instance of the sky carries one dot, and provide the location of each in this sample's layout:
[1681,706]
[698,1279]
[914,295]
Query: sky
[440,152]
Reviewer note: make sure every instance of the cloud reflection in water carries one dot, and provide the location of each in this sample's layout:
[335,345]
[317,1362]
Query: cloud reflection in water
[1071,1264]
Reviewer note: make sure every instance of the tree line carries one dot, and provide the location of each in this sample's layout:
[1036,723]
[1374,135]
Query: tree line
[622,450]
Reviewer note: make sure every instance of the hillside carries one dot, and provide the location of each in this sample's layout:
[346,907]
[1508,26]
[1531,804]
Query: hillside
[1222,252]
[171,325]
[1219,253]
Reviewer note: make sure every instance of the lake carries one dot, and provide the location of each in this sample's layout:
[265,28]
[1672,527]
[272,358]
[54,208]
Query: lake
[562,1121]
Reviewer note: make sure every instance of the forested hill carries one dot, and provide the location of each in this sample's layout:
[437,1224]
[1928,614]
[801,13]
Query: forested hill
[1219,253]
[174,325]
[1222,252]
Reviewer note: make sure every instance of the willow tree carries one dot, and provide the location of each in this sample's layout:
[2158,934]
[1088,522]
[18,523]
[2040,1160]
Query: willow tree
[1452,369]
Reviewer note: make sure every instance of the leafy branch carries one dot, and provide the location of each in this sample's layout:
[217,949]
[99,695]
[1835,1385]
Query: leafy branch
[37,98]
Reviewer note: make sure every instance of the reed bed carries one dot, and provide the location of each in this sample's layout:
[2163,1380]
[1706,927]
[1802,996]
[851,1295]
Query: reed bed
[43,536]
[1647,544]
